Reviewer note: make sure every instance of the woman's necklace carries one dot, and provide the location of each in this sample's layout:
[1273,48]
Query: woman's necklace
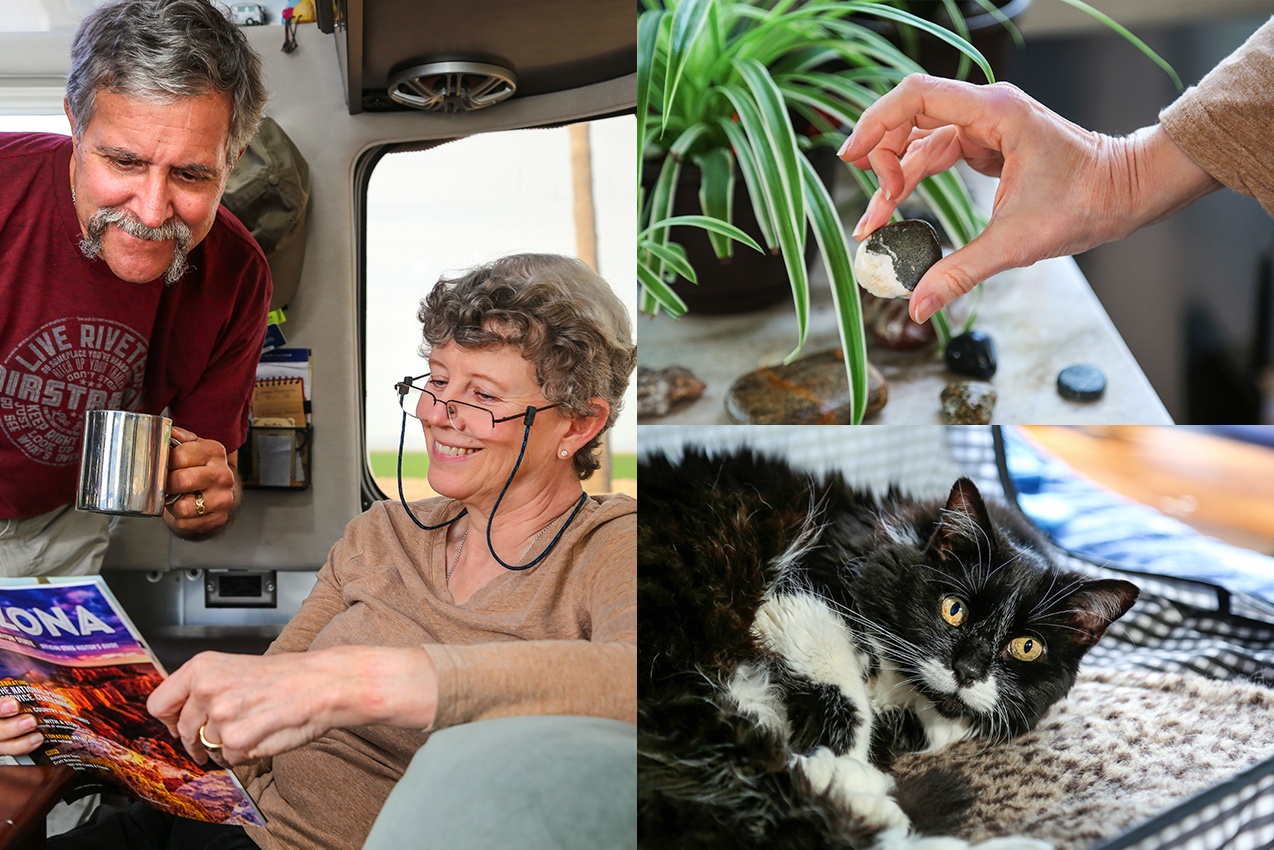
[455,562]
[451,569]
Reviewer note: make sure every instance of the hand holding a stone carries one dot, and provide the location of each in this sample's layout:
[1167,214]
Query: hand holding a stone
[1063,189]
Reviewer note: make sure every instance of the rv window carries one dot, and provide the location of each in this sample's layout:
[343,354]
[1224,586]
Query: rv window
[434,212]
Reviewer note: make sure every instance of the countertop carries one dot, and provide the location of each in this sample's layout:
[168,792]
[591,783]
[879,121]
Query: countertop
[1042,319]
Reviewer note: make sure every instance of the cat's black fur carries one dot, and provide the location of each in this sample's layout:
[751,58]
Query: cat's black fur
[719,538]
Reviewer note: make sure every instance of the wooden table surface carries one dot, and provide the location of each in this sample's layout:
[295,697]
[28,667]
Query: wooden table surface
[1220,487]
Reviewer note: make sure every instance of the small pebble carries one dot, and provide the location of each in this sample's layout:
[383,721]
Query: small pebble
[971,354]
[659,390]
[968,403]
[892,328]
[1081,382]
[810,391]
[891,261]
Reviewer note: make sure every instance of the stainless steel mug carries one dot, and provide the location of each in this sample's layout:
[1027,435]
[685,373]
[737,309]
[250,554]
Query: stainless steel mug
[124,464]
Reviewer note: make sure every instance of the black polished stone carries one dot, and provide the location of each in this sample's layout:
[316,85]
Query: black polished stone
[971,354]
[1081,382]
[913,246]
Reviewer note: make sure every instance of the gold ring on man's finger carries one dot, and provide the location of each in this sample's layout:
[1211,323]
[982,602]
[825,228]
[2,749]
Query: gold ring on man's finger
[203,739]
[199,507]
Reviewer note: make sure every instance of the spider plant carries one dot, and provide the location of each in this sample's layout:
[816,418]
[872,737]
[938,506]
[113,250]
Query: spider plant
[718,84]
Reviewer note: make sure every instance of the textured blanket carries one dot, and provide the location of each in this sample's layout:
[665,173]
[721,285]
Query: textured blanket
[1122,747]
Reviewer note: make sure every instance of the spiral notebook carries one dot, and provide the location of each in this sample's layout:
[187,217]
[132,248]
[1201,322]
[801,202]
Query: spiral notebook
[288,363]
[278,402]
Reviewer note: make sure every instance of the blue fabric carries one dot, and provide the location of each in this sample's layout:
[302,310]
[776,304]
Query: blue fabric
[1110,530]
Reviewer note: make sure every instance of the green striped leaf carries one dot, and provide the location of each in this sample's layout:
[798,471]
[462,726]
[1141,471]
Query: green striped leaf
[830,235]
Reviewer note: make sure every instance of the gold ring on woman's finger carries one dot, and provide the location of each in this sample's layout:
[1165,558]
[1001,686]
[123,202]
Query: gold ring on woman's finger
[199,508]
[203,739]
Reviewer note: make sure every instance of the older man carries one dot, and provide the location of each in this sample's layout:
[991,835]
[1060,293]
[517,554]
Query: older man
[123,283]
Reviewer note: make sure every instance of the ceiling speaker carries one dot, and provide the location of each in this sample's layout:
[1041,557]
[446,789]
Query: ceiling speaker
[452,86]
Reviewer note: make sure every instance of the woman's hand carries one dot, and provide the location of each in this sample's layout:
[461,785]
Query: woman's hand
[260,706]
[17,729]
[1063,189]
[205,476]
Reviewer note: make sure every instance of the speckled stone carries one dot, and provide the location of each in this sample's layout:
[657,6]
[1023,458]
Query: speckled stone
[971,354]
[810,391]
[968,403]
[659,390]
[912,245]
[1081,382]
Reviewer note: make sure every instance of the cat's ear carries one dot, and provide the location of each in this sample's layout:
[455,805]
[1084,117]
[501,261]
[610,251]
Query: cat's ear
[1094,606]
[964,520]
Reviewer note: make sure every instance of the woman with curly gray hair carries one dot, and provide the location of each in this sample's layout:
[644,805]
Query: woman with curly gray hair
[485,637]
[559,314]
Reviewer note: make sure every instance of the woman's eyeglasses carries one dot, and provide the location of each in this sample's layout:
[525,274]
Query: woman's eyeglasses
[418,402]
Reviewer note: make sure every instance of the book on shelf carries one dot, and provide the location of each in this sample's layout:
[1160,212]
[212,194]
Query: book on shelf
[71,657]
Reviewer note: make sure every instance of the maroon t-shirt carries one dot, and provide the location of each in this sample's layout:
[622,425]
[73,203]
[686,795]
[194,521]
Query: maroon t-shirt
[73,337]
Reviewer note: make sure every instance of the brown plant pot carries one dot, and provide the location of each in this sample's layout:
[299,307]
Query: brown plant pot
[749,280]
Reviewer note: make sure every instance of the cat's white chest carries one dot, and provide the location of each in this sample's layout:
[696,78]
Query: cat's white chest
[890,691]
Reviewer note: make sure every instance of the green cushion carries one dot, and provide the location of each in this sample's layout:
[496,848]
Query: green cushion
[535,783]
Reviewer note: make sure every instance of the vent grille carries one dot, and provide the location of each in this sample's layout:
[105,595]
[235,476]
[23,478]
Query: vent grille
[452,86]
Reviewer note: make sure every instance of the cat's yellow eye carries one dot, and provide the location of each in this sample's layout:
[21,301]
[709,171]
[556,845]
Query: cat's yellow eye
[1026,648]
[954,610]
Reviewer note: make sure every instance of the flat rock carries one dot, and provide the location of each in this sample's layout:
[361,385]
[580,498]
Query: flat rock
[812,390]
[891,261]
[659,390]
[968,403]
[1081,382]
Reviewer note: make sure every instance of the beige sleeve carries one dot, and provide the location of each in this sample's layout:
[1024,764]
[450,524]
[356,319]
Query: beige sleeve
[324,602]
[1226,122]
[596,677]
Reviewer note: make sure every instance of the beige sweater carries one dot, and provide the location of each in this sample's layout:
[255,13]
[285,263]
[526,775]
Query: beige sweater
[1226,123]
[559,638]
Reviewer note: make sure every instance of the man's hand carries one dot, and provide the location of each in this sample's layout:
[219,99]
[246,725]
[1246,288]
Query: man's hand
[208,482]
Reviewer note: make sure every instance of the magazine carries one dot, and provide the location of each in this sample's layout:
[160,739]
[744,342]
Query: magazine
[71,657]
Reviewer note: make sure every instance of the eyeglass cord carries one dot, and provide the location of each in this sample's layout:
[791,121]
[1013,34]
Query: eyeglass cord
[402,438]
[526,434]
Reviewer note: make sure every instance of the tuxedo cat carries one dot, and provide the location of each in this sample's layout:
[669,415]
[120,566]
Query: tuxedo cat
[796,635]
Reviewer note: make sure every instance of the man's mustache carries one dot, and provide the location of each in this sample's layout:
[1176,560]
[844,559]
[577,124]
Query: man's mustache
[174,229]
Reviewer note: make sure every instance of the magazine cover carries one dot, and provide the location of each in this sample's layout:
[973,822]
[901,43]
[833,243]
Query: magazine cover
[70,656]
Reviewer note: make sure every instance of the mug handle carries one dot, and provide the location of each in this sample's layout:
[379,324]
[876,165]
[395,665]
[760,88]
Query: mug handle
[171,498]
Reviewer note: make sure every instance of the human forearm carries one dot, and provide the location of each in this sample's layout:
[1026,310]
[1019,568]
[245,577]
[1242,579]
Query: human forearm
[1160,179]
[535,677]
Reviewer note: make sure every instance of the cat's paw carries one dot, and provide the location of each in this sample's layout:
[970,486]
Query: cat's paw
[879,810]
[856,785]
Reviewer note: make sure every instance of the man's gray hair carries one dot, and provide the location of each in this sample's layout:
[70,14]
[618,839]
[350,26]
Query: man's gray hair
[164,50]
